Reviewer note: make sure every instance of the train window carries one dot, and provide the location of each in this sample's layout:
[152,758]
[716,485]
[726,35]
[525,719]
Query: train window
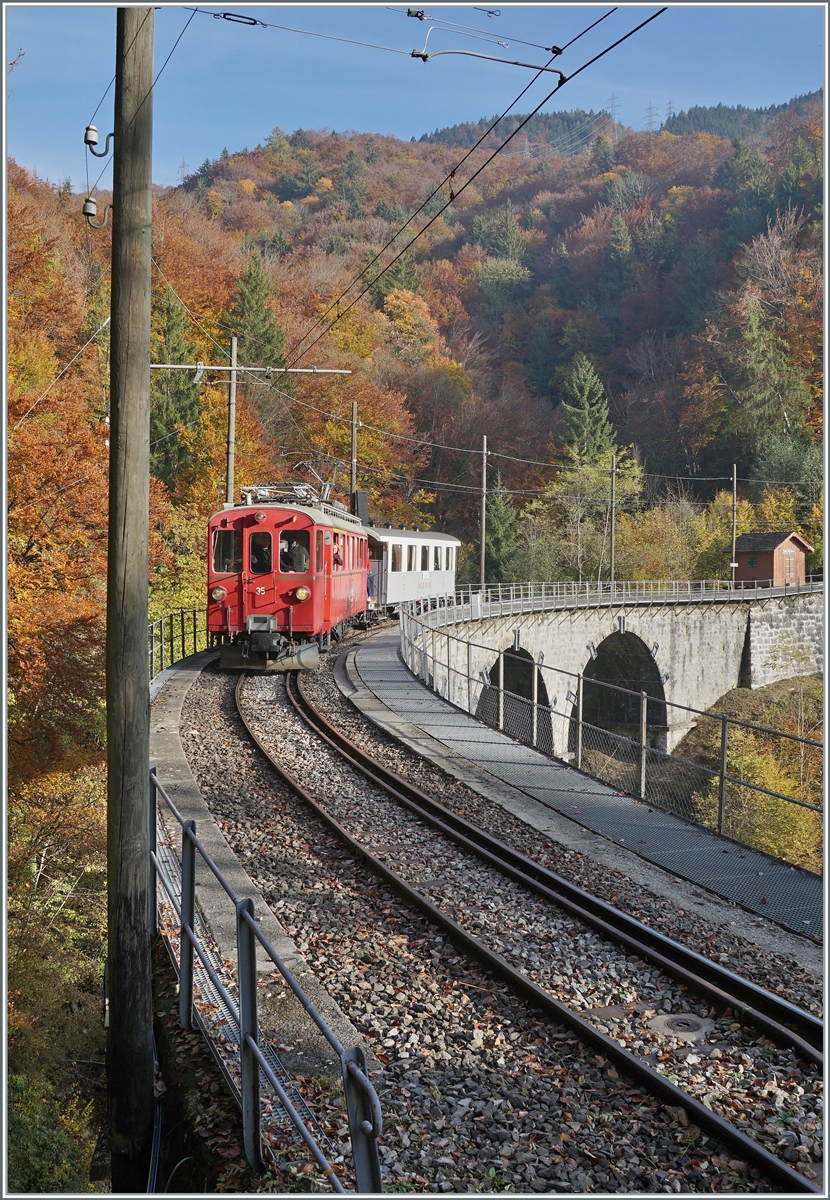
[436,559]
[259,552]
[449,558]
[397,555]
[319,561]
[412,558]
[227,551]
[294,552]
[425,558]
[376,552]
[337,552]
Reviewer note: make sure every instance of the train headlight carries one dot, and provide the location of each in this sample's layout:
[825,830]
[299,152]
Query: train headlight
[218,593]
[259,517]
[302,592]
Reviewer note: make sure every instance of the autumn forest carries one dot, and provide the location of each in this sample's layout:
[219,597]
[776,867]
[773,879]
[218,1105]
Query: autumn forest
[653,296]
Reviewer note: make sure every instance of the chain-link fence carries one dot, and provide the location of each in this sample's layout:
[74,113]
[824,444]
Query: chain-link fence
[760,786]
[174,636]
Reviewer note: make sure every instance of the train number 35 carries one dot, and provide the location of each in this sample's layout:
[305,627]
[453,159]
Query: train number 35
[260,591]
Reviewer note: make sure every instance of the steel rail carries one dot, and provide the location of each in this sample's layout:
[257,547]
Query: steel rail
[657,1084]
[783,1022]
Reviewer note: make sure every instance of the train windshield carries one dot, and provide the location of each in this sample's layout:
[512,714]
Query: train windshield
[227,551]
[259,548]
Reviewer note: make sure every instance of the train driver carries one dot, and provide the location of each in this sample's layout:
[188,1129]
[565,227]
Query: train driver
[298,557]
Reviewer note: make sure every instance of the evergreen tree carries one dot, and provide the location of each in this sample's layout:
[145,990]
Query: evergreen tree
[588,432]
[620,246]
[506,240]
[401,276]
[500,540]
[389,212]
[371,151]
[602,155]
[174,397]
[261,341]
[336,244]
[773,400]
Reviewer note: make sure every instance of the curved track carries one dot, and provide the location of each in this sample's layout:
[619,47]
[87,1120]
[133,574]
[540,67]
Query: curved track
[782,1022]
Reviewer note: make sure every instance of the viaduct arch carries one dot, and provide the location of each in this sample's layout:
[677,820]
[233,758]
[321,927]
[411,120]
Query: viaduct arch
[687,653]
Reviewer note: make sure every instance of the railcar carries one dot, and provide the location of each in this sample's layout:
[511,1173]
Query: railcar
[409,564]
[285,572]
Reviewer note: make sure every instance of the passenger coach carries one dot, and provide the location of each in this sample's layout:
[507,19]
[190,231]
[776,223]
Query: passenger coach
[286,570]
[409,564]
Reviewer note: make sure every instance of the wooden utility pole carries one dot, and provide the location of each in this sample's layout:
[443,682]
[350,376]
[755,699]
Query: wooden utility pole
[130,894]
[353,482]
[732,563]
[483,504]
[231,426]
[613,514]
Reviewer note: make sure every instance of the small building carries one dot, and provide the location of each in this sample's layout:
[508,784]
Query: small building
[771,558]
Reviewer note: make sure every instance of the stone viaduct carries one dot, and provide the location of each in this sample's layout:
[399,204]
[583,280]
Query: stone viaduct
[683,651]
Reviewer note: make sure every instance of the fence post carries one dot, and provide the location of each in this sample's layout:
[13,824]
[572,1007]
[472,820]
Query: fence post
[724,743]
[365,1121]
[643,742]
[449,668]
[248,1065]
[188,918]
[501,690]
[181,614]
[535,717]
[154,920]
[579,722]
[469,677]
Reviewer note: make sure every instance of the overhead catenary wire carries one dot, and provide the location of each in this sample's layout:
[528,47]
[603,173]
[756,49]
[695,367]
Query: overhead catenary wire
[421,15]
[427,444]
[447,178]
[61,373]
[560,466]
[190,314]
[236,18]
[150,91]
[478,171]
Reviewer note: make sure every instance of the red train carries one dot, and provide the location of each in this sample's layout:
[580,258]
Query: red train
[286,570]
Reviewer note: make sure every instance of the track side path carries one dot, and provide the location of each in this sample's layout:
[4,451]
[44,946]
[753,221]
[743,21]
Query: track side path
[758,883]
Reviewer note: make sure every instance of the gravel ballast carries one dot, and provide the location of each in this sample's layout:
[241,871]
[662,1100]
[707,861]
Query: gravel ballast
[480,1093]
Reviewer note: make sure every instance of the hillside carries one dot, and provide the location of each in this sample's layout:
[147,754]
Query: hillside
[565,133]
[735,120]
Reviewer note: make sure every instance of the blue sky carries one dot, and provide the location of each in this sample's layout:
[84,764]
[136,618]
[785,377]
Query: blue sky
[228,85]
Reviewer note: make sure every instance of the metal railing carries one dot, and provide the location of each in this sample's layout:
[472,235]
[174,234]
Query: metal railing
[537,597]
[174,636]
[618,735]
[253,1061]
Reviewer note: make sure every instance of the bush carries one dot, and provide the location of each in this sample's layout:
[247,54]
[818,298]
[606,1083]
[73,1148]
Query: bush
[49,1143]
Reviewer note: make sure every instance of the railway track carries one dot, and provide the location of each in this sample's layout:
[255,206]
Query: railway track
[784,1023]
[779,1021]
